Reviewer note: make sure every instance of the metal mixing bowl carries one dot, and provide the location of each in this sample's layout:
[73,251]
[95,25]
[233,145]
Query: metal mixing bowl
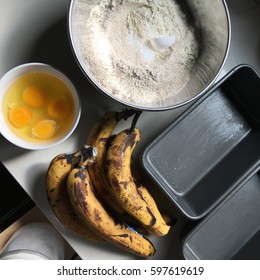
[211,20]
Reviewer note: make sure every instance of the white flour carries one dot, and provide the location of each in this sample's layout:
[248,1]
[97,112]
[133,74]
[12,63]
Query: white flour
[141,51]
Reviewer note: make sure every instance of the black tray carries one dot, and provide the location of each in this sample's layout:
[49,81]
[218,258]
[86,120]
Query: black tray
[213,146]
[14,201]
[232,230]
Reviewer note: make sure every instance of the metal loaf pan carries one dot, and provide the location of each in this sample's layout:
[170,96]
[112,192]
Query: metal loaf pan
[232,230]
[214,145]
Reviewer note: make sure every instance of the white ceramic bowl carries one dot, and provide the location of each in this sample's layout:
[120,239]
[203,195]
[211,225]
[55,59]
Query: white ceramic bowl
[35,240]
[19,71]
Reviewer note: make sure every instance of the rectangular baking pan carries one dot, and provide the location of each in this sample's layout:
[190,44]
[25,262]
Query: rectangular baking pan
[207,151]
[232,230]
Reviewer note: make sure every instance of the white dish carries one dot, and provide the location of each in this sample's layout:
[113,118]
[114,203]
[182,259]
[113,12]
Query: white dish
[19,71]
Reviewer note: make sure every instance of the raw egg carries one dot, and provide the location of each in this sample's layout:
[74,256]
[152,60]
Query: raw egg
[59,108]
[20,116]
[33,96]
[44,129]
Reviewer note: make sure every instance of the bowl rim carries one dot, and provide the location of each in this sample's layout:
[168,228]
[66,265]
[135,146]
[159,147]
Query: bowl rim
[23,254]
[38,67]
[103,91]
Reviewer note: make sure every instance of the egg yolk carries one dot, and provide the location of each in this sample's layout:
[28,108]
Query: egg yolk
[59,108]
[33,96]
[20,116]
[44,129]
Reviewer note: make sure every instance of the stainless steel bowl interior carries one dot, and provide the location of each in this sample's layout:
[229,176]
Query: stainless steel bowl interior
[212,23]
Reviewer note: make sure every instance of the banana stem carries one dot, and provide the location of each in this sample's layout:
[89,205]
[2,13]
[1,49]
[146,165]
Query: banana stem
[125,114]
[135,119]
[87,154]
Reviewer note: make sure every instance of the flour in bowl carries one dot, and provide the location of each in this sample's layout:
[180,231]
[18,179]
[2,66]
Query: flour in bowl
[140,51]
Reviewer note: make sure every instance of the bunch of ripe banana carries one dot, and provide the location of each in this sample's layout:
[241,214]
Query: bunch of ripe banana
[97,193]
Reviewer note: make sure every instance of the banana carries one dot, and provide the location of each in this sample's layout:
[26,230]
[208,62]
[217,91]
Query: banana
[98,138]
[136,201]
[163,222]
[56,179]
[96,217]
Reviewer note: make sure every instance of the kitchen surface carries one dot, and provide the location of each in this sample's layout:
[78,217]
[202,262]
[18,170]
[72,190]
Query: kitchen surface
[38,33]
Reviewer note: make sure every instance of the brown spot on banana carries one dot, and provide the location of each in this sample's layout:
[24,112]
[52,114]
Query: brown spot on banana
[97,216]
[79,196]
[80,175]
[153,220]
[123,235]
